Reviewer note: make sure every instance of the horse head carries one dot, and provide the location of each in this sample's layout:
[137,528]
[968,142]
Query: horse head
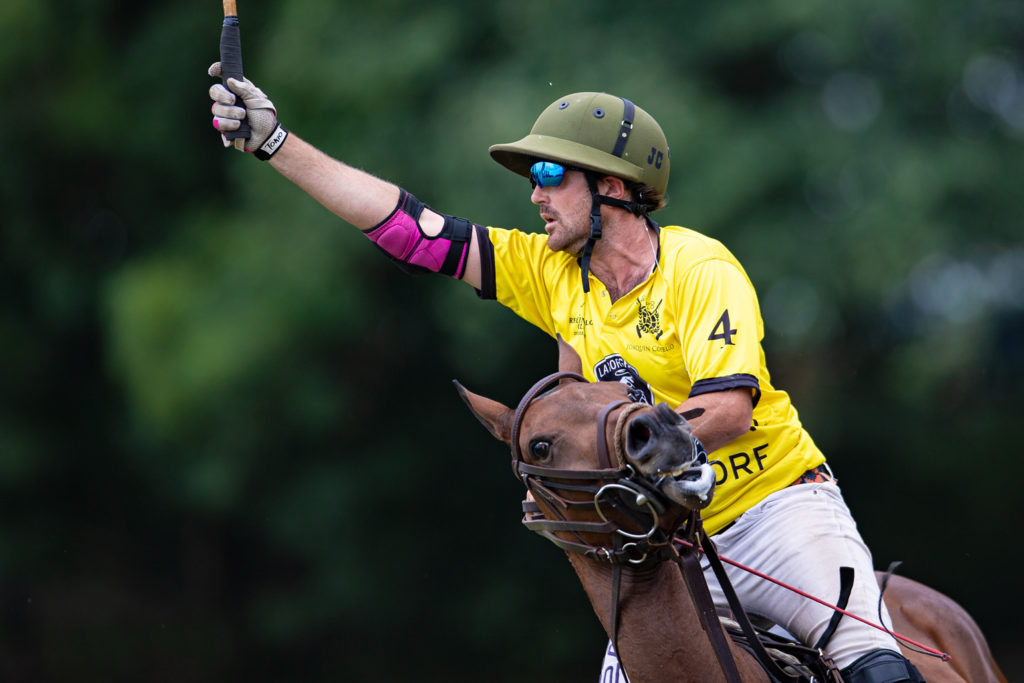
[572,431]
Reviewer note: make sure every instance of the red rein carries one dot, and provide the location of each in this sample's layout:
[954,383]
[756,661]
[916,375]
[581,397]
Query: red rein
[932,651]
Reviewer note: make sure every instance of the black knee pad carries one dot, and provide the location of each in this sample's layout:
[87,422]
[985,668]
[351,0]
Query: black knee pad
[881,666]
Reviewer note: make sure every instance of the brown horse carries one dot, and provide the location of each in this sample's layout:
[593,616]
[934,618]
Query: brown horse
[575,430]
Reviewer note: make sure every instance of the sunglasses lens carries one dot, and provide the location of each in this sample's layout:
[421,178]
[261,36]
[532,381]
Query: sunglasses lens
[546,174]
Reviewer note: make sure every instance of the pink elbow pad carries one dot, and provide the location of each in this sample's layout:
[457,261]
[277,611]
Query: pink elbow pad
[401,238]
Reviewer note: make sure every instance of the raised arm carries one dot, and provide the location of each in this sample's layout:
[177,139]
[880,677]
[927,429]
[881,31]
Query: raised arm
[351,194]
[392,219]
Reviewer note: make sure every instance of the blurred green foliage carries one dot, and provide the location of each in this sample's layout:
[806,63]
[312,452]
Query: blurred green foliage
[229,448]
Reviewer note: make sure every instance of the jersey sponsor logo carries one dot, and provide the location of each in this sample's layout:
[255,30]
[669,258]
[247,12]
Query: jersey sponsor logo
[649,319]
[614,368]
[580,323]
[650,348]
[742,463]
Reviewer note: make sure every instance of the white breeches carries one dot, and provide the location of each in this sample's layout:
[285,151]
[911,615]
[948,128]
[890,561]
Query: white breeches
[800,535]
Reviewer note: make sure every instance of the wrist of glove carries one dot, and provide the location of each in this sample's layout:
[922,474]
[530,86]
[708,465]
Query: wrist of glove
[266,134]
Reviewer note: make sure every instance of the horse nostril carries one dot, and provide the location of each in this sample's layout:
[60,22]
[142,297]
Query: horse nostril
[637,436]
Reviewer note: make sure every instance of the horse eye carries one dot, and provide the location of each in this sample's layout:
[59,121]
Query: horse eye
[540,449]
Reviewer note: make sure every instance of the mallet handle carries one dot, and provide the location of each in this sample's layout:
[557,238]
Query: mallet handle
[231,59]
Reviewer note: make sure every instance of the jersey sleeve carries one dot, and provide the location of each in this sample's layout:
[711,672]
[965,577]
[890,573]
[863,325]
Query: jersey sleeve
[721,330]
[522,266]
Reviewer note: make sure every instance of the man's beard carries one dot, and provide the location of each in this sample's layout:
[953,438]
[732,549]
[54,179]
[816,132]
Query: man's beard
[565,237]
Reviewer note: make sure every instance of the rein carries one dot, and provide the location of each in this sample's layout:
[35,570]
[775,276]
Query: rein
[621,488]
[945,657]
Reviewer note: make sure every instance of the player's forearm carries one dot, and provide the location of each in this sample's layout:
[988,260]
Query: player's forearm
[366,201]
[354,195]
[727,416]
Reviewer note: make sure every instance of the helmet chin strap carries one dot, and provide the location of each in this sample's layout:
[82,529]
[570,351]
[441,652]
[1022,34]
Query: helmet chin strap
[597,200]
[595,230]
[628,114]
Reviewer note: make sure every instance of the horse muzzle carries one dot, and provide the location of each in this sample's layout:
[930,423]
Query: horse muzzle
[661,446]
[692,488]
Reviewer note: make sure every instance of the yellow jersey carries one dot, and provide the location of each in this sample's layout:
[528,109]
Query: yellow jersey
[693,327]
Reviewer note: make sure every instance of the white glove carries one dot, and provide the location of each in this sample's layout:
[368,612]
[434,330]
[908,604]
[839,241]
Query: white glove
[266,134]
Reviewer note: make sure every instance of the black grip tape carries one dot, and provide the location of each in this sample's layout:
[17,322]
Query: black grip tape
[231,67]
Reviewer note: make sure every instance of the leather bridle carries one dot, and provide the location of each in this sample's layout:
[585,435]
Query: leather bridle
[613,486]
[619,486]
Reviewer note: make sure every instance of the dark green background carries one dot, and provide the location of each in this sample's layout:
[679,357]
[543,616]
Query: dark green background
[229,445]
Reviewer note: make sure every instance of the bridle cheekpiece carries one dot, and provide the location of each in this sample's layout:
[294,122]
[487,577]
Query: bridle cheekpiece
[614,487]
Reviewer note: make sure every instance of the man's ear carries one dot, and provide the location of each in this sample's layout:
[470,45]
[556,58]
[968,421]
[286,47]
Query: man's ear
[610,186]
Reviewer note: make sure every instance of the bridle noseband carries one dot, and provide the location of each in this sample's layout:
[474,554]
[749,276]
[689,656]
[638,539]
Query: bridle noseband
[614,486]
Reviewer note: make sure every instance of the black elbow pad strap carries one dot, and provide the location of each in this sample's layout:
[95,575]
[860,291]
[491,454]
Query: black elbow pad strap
[402,239]
[457,231]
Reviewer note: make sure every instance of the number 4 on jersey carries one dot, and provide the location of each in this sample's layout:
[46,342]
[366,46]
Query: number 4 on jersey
[723,330]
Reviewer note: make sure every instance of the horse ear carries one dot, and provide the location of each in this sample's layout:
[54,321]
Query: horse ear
[493,415]
[568,359]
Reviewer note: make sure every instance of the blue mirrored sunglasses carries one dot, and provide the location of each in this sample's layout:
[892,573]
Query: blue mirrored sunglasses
[548,173]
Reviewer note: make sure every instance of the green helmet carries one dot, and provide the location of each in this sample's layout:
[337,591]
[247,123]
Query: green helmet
[593,131]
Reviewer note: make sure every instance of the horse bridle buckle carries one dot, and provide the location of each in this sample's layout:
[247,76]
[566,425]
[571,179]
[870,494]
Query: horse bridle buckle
[628,548]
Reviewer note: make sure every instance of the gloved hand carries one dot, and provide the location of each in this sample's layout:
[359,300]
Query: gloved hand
[266,133]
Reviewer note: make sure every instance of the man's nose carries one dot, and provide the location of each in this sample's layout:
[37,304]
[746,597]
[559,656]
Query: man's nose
[537,195]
